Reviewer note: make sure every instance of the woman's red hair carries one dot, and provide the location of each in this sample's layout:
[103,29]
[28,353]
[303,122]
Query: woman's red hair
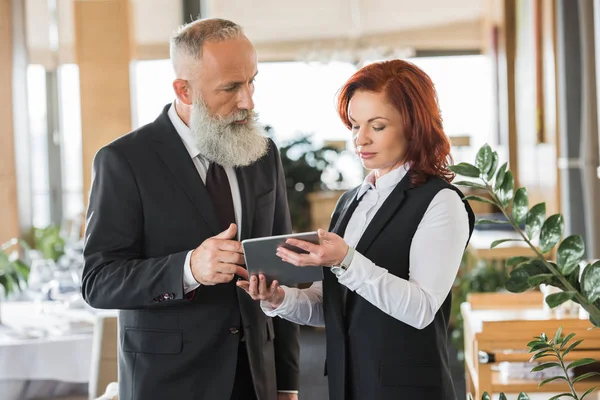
[412,92]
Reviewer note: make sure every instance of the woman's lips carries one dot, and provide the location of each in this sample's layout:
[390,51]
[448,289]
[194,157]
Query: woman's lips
[365,156]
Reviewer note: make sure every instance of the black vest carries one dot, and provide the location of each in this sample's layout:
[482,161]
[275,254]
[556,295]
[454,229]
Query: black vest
[369,353]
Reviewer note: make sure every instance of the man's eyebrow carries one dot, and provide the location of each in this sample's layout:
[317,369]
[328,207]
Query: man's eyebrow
[237,83]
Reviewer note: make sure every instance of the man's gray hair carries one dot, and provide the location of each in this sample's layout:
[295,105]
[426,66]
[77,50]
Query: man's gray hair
[190,38]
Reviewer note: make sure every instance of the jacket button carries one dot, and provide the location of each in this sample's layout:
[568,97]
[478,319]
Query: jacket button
[234,331]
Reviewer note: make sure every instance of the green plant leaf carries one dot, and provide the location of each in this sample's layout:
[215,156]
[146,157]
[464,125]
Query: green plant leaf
[535,342]
[535,281]
[500,176]
[500,241]
[571,347]
[557,336]
[545,381]
[590,282]
[470,184]
[516,260]
[535,219]
[485,396]
[465,169]
[542,346]
[544,366]
[519,276]
[579,363]
[590,390]
[505,191]
[566,340]
[520,205]
[570,253]
[585,376]
[484,158]
[523,396]
[502,396]
[484,221]
[556,299]
[542,354]
[480,199]
[558,396]
[492,170]
[551,232]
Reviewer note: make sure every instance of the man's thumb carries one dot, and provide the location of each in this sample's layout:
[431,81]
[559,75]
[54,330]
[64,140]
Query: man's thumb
[323,234]
[229,233]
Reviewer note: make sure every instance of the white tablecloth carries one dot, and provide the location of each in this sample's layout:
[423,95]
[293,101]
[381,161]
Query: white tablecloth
[51,345]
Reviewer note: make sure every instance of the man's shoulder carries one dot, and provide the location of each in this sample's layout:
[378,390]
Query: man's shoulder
[134,140]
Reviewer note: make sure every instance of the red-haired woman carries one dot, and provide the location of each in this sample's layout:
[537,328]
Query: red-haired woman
[393,250]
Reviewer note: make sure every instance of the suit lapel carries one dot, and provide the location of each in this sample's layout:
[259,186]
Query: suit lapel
[247,198]
[384,214]
[172,151]
[348,209]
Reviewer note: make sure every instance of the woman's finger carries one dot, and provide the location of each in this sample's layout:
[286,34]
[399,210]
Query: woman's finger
[299,260]
[304,245]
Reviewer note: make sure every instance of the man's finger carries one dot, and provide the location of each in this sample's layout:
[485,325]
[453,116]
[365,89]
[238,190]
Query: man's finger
[229,233]
[230,245]
[226,268]
[242,272]
[245,285]
[262,285]
[229,257]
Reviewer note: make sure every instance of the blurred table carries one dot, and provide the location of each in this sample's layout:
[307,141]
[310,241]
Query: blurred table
[498,327]
[44,343]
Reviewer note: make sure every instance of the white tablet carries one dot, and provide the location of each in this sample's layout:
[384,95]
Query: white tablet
[261,258]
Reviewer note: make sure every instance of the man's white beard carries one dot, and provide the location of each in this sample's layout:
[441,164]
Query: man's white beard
[222,141]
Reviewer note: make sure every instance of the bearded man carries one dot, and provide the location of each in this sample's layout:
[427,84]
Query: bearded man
[169,204]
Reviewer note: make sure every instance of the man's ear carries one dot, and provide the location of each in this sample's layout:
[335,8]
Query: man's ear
[183,91]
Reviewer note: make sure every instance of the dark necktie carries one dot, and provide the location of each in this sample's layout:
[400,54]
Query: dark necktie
[219,191]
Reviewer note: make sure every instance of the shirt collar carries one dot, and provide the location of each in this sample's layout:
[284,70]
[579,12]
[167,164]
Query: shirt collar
[390,179]
[184,132]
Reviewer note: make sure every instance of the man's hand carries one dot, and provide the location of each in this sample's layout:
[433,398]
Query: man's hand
[258,289]
[218,259]
[287,396]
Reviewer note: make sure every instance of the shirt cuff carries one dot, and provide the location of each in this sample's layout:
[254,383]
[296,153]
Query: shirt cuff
[358,272]
[284,307]
[288,391]
[189,282]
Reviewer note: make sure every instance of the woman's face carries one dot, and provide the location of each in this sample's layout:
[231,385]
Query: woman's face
[377,131]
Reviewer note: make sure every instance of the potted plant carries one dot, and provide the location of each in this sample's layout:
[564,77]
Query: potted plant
[529,272]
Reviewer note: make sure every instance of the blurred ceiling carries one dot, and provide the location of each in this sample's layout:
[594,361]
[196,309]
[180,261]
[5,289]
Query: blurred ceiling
[350,30]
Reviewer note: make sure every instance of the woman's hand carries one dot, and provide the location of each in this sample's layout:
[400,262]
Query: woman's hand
[331,251]
[257,288]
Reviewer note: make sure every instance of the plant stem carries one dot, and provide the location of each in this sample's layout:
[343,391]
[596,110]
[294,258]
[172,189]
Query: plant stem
[590,308]
[562,366]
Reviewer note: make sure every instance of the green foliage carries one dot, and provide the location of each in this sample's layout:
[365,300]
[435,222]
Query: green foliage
[530,273]
[49,242]
[13,271]
[303,167]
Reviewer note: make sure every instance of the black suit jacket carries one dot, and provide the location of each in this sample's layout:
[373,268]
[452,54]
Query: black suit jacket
[371,355]
[148,207]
